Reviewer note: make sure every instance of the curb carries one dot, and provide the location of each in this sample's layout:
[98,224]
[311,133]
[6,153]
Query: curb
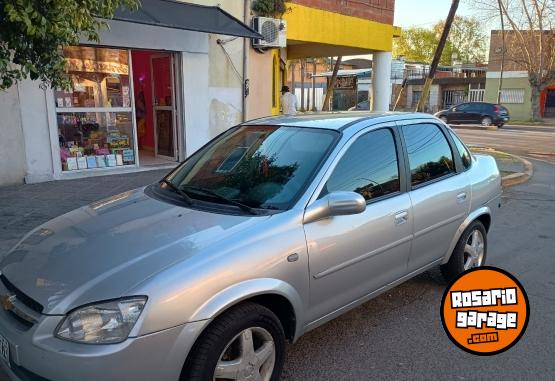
[473,127]
[519,177]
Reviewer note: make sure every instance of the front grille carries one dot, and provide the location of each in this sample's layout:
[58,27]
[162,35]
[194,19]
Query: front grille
[23,298]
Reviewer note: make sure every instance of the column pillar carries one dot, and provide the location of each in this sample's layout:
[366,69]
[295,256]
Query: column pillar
[381,81]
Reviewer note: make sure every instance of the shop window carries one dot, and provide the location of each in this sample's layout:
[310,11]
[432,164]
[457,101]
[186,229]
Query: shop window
[95,122]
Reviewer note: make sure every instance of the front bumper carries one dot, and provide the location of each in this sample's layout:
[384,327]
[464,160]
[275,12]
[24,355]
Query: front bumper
[35,354]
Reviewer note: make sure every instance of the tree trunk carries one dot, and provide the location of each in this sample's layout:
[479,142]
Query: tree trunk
[314,85]
[331,84]
[302,85]
[503,50]
[535,98]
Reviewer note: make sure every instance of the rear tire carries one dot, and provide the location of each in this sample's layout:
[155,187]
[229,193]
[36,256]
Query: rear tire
[470,251]
[486,121]
[246,341]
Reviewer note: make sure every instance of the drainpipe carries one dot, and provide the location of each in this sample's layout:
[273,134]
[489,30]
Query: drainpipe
[246,44]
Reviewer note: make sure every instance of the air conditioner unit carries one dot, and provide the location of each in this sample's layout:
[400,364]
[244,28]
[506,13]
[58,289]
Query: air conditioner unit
[274,32]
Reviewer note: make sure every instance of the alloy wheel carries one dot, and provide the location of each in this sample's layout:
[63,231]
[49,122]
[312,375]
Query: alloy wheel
[474,250]
[249,356]
[486,122]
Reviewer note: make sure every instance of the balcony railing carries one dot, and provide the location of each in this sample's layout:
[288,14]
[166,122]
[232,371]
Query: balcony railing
[422,73]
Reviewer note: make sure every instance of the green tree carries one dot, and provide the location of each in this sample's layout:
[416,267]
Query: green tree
[416,44]
[466,40]
[269,8]
[33,33]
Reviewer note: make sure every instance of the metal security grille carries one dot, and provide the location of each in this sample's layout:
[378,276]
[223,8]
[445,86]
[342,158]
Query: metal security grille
[453,97]
[512,96]
[476,95]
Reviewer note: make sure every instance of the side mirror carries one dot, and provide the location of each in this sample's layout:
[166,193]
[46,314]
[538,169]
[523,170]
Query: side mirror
[335,204]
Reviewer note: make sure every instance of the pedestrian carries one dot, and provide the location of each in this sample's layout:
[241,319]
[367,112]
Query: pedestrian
[288,101]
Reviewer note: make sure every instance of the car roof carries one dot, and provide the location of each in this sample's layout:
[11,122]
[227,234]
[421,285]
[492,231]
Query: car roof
[335,120]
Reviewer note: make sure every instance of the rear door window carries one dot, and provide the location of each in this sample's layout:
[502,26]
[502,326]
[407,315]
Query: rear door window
[429,153]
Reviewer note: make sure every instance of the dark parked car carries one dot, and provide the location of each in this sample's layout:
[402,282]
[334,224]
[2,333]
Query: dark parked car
[486,114]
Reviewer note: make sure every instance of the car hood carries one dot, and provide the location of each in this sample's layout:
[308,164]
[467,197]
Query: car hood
[102,250]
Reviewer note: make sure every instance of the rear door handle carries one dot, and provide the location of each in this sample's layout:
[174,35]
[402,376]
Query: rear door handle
[401,217]
[461,197]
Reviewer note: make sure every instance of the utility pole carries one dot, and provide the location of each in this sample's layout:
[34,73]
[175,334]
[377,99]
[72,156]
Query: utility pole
[502,52]
[437,56]
[329,90]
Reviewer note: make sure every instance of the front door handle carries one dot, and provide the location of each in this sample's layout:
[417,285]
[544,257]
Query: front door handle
[461,197]
[401,217]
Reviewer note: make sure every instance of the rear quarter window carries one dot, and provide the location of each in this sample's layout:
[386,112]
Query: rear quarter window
[463,152]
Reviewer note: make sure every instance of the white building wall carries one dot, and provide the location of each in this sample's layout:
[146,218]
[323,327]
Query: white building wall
[196,100]
[409,95]
[37,131]
[12,144]
[434,99]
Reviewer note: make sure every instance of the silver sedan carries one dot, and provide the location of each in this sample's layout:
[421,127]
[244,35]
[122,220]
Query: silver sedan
[270,230]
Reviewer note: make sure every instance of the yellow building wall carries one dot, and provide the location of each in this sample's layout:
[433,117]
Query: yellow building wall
[313,25]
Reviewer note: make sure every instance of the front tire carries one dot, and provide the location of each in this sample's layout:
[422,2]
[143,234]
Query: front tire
[245,343]
[470,251]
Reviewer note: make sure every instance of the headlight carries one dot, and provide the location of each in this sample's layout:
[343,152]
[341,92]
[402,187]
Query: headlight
[102,323]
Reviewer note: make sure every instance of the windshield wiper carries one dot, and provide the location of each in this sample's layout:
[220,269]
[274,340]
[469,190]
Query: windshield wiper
[230,201]
[188,200]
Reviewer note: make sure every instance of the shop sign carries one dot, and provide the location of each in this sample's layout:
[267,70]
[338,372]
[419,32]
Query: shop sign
[93,66]
[345,83]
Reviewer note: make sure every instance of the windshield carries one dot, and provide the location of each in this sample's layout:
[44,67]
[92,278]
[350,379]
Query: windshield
[259,166]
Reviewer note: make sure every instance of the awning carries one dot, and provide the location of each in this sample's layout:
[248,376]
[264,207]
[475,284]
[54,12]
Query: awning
[178,15]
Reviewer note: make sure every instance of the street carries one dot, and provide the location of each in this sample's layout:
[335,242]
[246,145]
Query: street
[397,335]
[530,142]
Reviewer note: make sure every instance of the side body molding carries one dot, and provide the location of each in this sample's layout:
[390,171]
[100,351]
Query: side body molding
[471,217]
[244,290]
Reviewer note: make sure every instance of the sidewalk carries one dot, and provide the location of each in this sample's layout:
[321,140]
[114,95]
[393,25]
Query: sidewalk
[23,207]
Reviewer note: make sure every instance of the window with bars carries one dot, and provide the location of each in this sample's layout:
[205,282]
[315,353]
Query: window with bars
[512,96]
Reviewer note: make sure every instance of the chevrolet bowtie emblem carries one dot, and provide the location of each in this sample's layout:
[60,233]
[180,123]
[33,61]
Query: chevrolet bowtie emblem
[7,302]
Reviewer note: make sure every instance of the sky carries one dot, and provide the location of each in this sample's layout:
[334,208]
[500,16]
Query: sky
[425,13]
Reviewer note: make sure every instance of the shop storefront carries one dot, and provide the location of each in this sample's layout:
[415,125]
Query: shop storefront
[120,111]
[138,100]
